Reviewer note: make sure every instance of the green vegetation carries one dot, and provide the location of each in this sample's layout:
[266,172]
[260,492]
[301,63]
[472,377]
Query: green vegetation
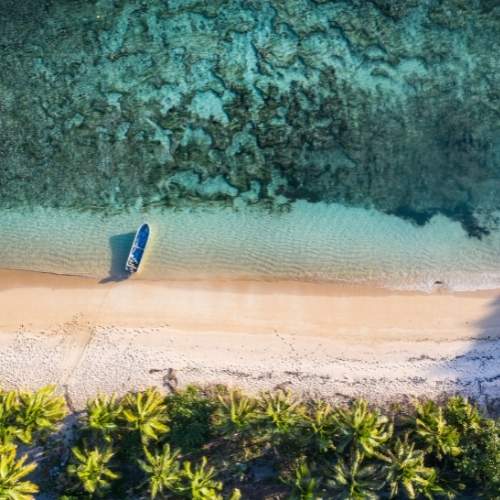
[217,444]
[12,475]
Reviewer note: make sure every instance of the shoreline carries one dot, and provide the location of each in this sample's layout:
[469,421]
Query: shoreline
[19,278]
[332,340]
[313,242]
[13,277]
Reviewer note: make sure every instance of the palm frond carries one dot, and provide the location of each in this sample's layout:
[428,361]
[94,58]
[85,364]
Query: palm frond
[91,469]
[39,411]
[146,413]
[162,470]
[361,429]
[406,471]
[434,432]
[235,413]
[104,415]
[356,479]
[12,474]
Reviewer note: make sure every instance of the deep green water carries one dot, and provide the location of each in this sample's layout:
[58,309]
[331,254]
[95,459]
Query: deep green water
[269,111]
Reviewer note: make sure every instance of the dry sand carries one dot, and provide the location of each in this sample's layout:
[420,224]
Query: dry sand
[337,341]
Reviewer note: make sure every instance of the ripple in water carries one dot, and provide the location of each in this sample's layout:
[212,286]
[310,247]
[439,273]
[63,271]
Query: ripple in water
[313,241]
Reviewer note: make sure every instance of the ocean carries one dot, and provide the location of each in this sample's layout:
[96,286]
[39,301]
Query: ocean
[352,141]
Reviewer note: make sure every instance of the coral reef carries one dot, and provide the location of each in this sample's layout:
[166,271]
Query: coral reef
[387,104]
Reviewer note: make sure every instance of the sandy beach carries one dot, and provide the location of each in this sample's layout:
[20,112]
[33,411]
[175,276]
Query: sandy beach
[329,339]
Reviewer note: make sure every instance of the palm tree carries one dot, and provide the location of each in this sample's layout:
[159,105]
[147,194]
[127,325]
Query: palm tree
[166,476]
[407,473]
[235,414]
[12,473]
[146,413]
[162,470]
[103,416]
[39,411]
[190,413]
[356,480]
[363,430]
[321,427]
[478,466]
[200,484]
[434,432]
[304,485]
[460,414]
[92,471]
[9,408]
[281,413]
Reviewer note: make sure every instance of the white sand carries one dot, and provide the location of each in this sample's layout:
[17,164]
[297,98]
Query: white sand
[331,340]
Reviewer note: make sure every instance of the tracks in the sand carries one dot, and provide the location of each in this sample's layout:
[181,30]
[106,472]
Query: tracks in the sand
[77,336]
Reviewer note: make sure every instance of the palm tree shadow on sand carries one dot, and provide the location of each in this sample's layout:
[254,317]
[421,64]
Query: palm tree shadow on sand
[120,247]
[488,350]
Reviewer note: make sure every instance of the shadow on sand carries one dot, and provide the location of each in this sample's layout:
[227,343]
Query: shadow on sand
[120,246]
[488,378]
[490,325]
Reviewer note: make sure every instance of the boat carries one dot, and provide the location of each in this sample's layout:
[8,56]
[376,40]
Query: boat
[138,248]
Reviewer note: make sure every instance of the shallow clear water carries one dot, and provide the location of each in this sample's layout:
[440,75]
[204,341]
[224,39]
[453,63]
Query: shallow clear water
[311,242]
[299,139]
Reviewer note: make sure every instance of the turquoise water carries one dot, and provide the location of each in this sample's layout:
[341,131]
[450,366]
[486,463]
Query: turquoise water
[313,241]
[294,139]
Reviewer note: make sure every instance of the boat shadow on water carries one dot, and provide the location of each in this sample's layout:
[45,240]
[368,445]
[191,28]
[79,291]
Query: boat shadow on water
[120,247]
